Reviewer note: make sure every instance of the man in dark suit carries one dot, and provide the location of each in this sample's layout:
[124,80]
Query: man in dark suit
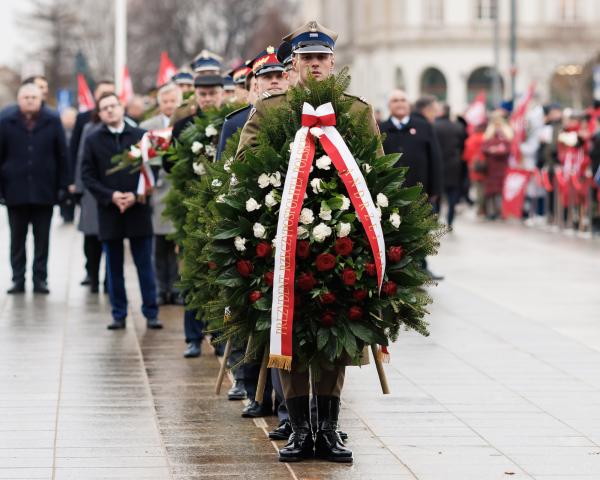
[120,214]
[33,177]
[412,135]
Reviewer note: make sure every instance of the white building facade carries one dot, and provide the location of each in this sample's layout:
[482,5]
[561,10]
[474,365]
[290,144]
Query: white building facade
[446,47]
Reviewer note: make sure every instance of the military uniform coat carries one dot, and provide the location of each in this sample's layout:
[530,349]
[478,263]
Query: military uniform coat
[233,122]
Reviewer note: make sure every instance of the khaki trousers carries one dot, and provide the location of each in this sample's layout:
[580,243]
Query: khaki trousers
[297,384]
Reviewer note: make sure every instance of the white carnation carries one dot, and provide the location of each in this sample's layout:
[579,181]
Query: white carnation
[382,200]
[325,213]
[211,151]
[197,147]
[324,163]
[343,229]
[211,131]
[321,232]
[302,232]
[275,179]
[345,203]
[315,183]
[135,152]
[227,165]
[240,243]
[395,220]
[216,183]
[270,200]
[199,168]
[259,230]
[252,205]
[367,168]
[306,216]
[233,181]
[263,180]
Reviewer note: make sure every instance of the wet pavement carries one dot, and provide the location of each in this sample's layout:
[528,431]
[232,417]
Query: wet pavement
[507,385]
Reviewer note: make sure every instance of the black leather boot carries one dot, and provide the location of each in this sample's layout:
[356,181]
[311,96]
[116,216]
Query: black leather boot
[300,444]
[328,445]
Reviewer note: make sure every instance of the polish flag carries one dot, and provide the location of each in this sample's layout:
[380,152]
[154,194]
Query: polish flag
[166,70]
[85,99]
[126,87]
[475,114]
[513,192]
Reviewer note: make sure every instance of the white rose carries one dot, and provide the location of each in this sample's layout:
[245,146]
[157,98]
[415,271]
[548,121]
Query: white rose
[382,200]
[321,232]
[227,165]
[367,168]
[216,183]
[302,232]
[240,243]
[275,179]
[135,152]
[324,162]
[343,229]
[345,203]
[198,168]
[233,181]
[315,183]
[211,131]
[196,147]
[325,214]
[210,151]
[306,216]
[263,180]
[270,200]
[252,205]
[395,220]
[259,230]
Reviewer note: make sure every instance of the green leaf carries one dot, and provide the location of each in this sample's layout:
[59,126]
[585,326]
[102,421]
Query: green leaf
[225,234]
[322,338]
[361,331]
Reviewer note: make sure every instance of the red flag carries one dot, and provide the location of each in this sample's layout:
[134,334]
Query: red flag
[126,87]
[518,123]
[513,192]
[475,113]
[85,99]
[166,70]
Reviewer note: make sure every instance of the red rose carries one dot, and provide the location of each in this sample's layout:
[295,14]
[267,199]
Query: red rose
[306,281]
[395,254]
[359,295]
[389,288]
[355,313]
[324,262]
[151,152]
[344,246]
[244,267]
[328,318]
[268,277]
[263,249]
[212,266]
[370,269]
[303,249]
[327,298]
[254,296]
[348,276]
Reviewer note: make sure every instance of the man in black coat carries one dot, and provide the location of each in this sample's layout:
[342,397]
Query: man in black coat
[33,177]
[120,215]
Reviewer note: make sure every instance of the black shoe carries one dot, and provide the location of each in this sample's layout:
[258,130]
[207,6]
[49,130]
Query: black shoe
[282,432]
[16,288]
[237,392]
[193,350]
[154,324]
[343,435]
[162,299]
[116,325]
[94,286]
[300,444]
[256,410]
[86,281]
[328,445]
[41,287]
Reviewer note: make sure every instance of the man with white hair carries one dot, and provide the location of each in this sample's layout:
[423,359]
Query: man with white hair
[165,259]
[34,176]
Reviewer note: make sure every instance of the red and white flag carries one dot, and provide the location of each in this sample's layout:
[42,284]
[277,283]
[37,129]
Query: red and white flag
[518,122]
[513,192]
[475,114]
[85,99]
[166,70]
[126,92]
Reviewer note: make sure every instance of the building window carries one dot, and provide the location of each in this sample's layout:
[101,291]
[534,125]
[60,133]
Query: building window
[482,79]
[486,9]
[568,10]
[433,12]
[433,82]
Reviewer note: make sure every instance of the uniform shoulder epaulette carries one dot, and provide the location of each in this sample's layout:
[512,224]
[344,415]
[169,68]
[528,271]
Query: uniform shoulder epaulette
[235,112]
[267,95]
[360,99]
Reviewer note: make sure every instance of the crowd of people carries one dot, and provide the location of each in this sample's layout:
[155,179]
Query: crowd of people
[47,160]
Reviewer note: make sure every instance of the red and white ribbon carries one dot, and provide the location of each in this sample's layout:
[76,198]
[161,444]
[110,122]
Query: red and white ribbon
[146,180]
[320,123]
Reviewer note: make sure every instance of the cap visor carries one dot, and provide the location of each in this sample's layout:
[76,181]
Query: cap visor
[273,68]
[314,49]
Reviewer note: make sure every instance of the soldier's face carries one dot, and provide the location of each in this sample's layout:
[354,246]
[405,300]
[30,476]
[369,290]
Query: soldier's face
[209,97]
[319,65]
[272,82]
[186,88]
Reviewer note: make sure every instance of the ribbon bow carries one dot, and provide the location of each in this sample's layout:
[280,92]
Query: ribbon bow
[319,123]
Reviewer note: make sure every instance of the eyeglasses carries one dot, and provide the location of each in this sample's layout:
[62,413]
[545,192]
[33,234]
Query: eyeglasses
[112,106]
